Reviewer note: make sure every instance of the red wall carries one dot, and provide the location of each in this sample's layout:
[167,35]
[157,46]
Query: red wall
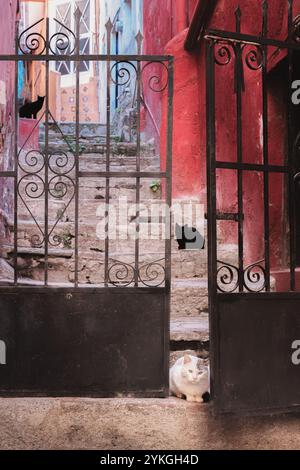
[189,143]
[162,21]
[28,137]
[188,172]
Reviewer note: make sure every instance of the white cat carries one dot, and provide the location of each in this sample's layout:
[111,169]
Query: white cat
[189,377]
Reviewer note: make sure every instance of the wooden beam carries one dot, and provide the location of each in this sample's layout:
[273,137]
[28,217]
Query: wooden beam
[202,15]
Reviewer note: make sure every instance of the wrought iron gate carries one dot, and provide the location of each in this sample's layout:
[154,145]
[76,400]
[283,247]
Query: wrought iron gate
[84,336]
[253,207]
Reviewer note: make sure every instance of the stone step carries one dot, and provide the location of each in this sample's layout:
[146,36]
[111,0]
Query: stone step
[192,330]
[91,266]
[91,236]
[87,147]
[117,166]
[93,129]
[6,270]
[122,197]
[129,424]
[186,265]
[189,298]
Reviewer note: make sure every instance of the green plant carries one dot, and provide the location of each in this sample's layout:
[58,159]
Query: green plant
[155,186]
[71,142]
[66,239]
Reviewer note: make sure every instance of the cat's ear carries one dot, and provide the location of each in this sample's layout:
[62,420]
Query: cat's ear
[200,364]
[187,359]
[178,231]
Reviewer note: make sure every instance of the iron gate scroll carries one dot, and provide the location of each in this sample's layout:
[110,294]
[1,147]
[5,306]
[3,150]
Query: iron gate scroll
[253,209]
[93,336]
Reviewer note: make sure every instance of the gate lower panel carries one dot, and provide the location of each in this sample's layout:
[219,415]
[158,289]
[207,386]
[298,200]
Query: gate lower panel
[256,334]
[84,342]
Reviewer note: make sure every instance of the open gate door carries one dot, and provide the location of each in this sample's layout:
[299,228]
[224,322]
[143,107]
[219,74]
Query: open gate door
[253,209]
[85,312]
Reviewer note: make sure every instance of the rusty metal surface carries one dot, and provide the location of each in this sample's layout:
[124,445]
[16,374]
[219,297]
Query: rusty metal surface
[108,339]
[84,342]
[256,371]
[252,328]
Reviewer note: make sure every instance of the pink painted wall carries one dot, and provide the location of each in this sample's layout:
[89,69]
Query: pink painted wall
[7,80]
[7,71]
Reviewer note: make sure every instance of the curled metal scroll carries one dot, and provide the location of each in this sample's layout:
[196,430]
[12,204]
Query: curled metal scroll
[296,29]
[32,162]
[123,72]
[121,274]
[223,53]
[32,187]
[227,278]
[33,42]
[61,163]
[254,277]
[296,147]
[153,274]
[253,57]
[61,42]
[60,185]
[156,81]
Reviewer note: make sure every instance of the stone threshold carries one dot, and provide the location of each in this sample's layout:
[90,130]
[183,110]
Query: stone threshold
[136,424]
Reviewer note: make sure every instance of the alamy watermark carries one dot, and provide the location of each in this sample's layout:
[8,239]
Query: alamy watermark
[296,352]
[2,353]
[154,220]
[296,93]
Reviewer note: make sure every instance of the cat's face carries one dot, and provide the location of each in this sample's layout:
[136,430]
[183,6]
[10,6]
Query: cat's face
[192,371]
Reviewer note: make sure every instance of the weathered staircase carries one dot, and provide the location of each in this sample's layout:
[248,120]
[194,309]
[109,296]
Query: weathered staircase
[189,304]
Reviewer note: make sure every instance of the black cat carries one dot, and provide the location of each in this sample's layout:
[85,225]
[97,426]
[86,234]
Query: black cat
[188,238]
[30,110]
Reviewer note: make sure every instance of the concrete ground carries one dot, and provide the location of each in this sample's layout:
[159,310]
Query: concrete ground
[132,424]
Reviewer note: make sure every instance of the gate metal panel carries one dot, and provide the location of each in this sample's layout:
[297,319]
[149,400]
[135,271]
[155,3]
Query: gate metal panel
[256,334]
[84,342]
[112,337]
[252,326]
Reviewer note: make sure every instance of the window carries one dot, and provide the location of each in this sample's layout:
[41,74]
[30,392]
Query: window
[64,13]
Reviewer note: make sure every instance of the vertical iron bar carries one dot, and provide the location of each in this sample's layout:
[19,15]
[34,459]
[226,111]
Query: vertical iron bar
[239,88]
[168,221]
[139,39]
[16,162]
[77,135]
[266,147]
[290,157]
[212,210]
[168,216]
[46,223]
[109,27]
